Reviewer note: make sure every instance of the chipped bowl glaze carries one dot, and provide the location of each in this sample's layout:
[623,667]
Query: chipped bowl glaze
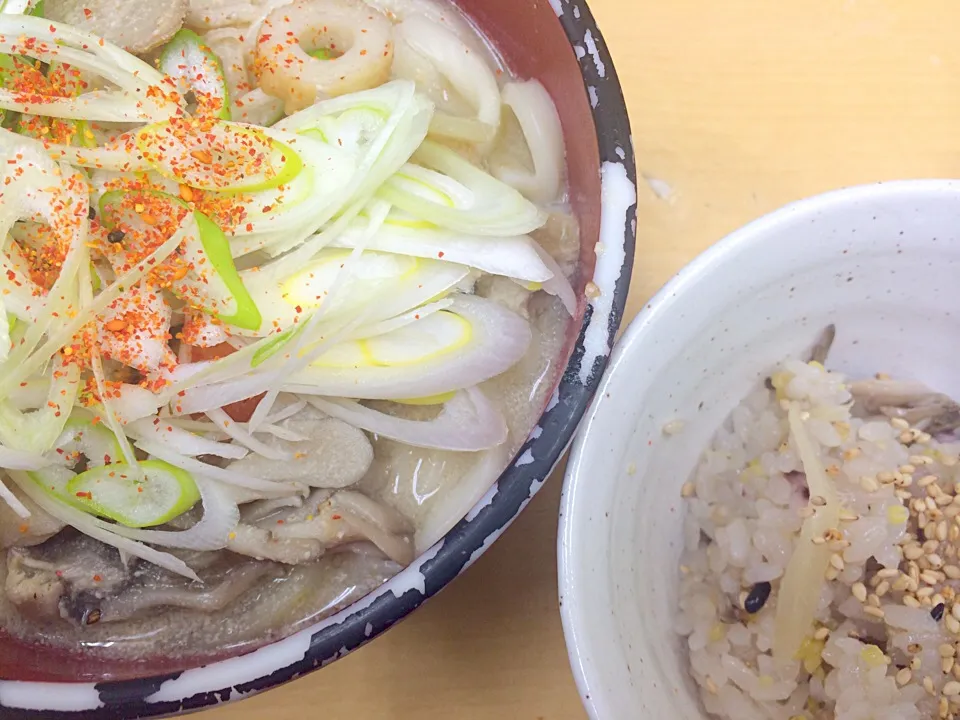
[881,262]
[558,43]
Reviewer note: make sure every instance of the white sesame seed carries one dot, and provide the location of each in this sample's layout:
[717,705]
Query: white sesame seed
[869,484]
[928,684]
[926,480]
[947,650]
[936,562]
[873,611]
[687,490]
[904,676]
[883,588]
[910,601]
[899,423]
[822,634]
[951,688]
[924,592]
[872,599]
[673,427]
[888,573]
[953,625]
[913,552]
[837,561]
[907,469]
[859,591]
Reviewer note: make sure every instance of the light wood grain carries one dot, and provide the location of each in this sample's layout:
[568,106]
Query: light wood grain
[738,107]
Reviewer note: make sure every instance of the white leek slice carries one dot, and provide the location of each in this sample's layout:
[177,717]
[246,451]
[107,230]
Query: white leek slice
[13,502]
[286,301]
[117,492]
[37,431]
[513,257]
[185,442]
[12,459]
[799,591]
[245,438]
[557,285]
[98,529]
[467,423]
[540,122]
[406,119]
[498,339]
[4,331]
[228,477]
[446,190]
[57,42]
[463,67]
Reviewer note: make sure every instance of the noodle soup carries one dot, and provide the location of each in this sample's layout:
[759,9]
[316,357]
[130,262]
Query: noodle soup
[285,287]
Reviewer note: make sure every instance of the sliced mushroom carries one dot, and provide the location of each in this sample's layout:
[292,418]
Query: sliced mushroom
[135,26]
[337,455]
[325,520]
[36,592]
[822,347]
[65,577]
[220,588]
[262,544]
[928,410]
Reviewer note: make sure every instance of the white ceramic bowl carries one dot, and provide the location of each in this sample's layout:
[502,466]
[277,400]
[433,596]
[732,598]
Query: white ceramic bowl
[882,262]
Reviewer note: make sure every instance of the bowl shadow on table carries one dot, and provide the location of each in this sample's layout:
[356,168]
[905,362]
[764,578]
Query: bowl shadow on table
[489,645]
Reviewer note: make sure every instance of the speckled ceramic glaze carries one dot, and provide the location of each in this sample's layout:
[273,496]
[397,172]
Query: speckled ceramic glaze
[558,43]
[880,262]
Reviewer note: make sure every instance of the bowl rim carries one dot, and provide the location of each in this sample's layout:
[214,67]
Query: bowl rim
[336,636]
[628,349]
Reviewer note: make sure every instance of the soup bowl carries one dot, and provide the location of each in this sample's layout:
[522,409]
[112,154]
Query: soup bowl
[558,43]
[878,262]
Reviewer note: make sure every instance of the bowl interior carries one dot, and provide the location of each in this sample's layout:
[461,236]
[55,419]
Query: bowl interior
[880,262]
[534,45]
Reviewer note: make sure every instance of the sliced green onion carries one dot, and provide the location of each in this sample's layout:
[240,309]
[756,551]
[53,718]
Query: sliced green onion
[213,278]
[196,68]
[115,493]
[225,157]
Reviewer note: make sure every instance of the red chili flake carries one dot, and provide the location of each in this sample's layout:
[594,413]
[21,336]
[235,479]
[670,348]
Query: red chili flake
[336,517]
[24,528]
[440,254]
[87,12]
[85,495]
[97,578]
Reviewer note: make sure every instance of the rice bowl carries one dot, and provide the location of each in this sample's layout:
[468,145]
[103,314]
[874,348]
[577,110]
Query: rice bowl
[687,386]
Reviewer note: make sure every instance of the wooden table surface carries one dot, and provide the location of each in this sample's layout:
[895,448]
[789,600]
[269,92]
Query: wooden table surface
[738,107]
